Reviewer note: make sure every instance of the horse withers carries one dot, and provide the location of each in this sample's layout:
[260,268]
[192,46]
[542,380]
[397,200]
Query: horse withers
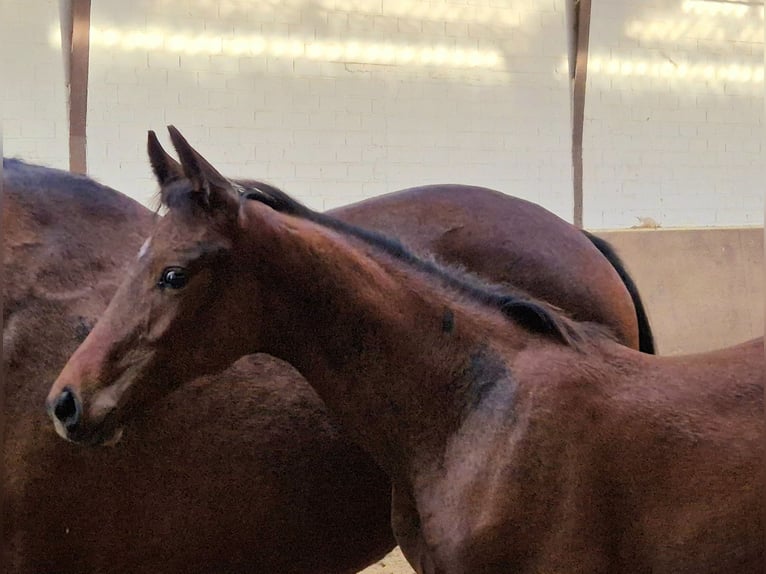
[515,438]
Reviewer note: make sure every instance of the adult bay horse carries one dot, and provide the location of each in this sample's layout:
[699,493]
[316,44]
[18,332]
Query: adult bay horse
[516,439]
[259,479]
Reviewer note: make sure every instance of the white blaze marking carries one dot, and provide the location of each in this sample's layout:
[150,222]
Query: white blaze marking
[144,248]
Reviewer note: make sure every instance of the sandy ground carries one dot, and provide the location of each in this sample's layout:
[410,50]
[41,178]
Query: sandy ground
[393,563]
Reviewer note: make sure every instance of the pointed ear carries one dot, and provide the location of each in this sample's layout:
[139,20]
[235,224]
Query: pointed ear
[216,191]
[165,168]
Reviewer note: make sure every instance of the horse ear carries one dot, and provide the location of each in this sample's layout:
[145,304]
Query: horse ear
[165,168]
[215,191]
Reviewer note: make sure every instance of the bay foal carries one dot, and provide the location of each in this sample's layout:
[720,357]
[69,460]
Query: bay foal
[516,439]
[276,486]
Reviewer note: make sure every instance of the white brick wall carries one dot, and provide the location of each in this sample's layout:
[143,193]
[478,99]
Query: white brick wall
[332,102]
[336,100]
[674,114]
[32,94]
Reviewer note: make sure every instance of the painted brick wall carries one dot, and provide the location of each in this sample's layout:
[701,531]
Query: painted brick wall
[32,92]
[674,114]
[337,100]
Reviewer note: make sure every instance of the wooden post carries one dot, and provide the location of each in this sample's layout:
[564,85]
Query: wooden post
[76,22]
[578,13]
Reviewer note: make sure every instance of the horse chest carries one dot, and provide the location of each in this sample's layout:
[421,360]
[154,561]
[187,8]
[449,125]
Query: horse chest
[459,509]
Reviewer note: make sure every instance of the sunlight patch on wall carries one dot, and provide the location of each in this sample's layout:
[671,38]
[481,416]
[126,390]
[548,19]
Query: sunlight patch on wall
[703,19]
[662,68]
[719,9]
[730,26]
[673,30]
[353,51]
[509,13]
[513,14]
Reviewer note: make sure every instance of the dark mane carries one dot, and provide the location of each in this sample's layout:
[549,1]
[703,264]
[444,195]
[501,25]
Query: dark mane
[536,316]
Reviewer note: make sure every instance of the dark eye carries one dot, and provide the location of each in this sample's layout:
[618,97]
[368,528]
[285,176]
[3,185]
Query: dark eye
[173,278]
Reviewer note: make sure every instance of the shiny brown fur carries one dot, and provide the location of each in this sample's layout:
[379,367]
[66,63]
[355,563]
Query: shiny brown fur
[515,242]
[68,244]
[516,440]
[241,472]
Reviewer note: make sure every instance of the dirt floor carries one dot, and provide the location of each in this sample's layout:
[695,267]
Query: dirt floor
[393,563]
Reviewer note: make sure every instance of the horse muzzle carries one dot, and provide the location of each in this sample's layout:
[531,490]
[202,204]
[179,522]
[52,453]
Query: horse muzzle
[68,416]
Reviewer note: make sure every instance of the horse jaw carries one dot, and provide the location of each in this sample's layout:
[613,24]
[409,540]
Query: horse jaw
[115,438]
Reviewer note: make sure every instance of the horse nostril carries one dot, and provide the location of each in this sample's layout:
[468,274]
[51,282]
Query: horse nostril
[67,409]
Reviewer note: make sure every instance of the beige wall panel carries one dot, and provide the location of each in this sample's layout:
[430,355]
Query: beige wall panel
[703,288]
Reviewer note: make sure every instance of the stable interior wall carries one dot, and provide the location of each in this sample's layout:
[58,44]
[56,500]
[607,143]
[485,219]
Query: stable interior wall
[32,92]
[674,114]
[337,100]
[703,288]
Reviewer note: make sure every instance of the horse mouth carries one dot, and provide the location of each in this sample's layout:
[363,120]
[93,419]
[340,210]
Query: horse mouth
[100,438]
[105,435]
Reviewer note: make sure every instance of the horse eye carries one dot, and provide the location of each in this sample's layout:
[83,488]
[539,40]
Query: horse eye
[173,278]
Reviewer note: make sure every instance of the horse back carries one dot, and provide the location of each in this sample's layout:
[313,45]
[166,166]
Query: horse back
[505,239]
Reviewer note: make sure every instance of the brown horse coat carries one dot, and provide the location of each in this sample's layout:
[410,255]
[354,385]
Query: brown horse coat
[251,454]
[241,472]
[515,242]
[515,439]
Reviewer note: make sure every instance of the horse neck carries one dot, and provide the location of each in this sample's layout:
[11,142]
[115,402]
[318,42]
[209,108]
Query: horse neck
[395,357]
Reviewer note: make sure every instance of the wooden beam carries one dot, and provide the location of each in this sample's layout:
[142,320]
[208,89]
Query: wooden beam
[65,24]
[77,74]
[578,61]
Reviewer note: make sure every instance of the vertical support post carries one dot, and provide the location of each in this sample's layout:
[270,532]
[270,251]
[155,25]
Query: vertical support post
[578,17]
[65,25]
[76,58]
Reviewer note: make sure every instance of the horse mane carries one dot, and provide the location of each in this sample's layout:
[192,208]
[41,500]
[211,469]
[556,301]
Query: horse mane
[534,315]
[531,313]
